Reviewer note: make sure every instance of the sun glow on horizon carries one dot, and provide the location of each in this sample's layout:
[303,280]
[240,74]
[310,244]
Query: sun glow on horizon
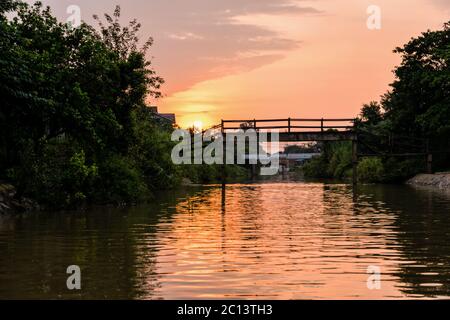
[198,124]
[201,122]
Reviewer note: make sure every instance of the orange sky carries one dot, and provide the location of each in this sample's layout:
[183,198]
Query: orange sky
[264,59]
[339,65]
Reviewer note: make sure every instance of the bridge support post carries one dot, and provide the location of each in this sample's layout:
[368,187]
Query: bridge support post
[429,158]
[253,171]
[429,163]
[224,159]
[355,162]
[256,166]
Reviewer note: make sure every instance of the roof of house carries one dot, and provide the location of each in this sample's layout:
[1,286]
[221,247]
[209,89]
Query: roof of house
[168,116]
[289,156]
[298,156]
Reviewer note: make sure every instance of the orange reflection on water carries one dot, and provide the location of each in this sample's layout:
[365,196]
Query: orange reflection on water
[276,240]
[283,240]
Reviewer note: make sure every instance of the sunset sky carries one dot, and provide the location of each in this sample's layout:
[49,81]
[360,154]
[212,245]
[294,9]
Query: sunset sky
[263,58]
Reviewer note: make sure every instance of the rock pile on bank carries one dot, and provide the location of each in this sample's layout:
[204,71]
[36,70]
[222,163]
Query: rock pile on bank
[437,180]
[9,204]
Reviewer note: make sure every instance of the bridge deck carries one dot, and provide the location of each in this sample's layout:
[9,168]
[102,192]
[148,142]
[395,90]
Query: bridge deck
[291,129]
[317,136]
[312,136]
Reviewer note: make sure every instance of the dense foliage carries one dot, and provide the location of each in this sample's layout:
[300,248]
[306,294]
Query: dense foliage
[335,161]
[72,98]
[74,121]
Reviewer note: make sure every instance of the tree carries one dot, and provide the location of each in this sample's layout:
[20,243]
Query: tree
[419,101]
[125,42]
[71,102]
[417,106]
[8,5]
[371,113]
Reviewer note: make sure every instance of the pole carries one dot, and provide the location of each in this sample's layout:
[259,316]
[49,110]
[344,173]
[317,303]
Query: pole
[429,159]
[430,163]
[355,162]
[224,157]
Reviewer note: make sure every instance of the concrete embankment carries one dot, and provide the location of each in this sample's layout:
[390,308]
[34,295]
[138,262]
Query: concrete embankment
[9,203]
[437,180]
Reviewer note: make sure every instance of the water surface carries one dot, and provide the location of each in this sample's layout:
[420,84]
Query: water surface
[290,240]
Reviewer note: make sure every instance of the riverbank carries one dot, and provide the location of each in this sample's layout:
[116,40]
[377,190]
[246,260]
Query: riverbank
[9,204]
[437,180]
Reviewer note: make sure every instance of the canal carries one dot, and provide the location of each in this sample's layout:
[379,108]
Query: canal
[283,240]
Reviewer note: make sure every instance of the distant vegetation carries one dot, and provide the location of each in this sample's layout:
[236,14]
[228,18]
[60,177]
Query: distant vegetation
[311,147]
[335,161]
[417,106]
[74,121]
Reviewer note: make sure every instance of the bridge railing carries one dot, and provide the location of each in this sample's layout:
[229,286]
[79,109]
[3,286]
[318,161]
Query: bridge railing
[291,124]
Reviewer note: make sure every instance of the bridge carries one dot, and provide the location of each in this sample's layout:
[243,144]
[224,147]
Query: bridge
[294,130]
[364,143]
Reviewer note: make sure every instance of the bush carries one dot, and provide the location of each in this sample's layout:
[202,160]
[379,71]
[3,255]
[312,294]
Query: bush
[151,153]
[341,159]
[398,170]
[119,181]
[370,170]
[57,176]
[334,162]
[316,168]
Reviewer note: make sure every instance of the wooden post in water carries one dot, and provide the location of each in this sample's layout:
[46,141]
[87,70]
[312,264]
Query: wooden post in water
[429,159]
[257,152]
[224,157]
[355,161]
[430,163]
